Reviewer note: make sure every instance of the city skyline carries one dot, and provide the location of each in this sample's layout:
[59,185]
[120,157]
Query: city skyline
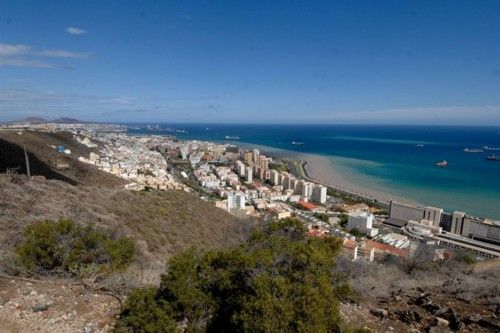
[280,62]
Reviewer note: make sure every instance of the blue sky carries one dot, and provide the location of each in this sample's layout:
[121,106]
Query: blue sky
[252,61]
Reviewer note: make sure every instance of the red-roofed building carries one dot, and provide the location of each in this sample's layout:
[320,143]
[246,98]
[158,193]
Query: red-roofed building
[382,249]
[306,205]
[350,249]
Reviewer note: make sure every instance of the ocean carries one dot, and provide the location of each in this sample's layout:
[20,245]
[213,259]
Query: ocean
[387,158]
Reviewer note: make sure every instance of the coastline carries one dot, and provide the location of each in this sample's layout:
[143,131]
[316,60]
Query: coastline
[319,169]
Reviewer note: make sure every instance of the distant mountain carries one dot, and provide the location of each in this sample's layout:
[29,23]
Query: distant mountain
[65,120]
[31,120]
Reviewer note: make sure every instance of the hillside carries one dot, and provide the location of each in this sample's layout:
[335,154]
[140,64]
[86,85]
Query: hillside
[161,224]
[44,159]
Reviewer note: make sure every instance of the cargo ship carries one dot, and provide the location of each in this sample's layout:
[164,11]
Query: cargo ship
[488,148]
[493,158]
[442,164]
[473,150]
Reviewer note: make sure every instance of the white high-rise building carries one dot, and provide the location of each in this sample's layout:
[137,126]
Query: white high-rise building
[256,154]
[184,152]
[274,177]
[241,168]
[362,221]
[240,200]
[307,189]
[249,174]
[293,183]
[230,201]
[319,194]
[281,177]
[298,187]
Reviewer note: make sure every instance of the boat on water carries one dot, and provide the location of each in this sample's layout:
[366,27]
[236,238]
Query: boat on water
[419,145]
[493,158]
[229,137]
[297,143]
[473,150]
[488,148]
[442,164]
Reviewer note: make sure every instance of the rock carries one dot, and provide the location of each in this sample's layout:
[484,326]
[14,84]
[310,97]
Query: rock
[442,311]
[381,313]
[3,301]
[455,322]
[408,316]
[438,329]
[492,324]
[438,321]
[423,301]
[89,328]
[40,307]
[433,308]
[473,319]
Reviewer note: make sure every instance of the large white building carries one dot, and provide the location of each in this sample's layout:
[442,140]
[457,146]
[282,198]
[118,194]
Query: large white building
[307,188]
[249,174]
[404,212]
[362,221]
[240,200]
[235,201]
[241,168]
[274,177]
[256,154]
[475,227]
[319,194]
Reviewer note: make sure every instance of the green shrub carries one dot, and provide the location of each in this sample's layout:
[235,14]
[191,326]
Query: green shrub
[65,246]
[343,220]
[155,315]
[280,280]
[322,217]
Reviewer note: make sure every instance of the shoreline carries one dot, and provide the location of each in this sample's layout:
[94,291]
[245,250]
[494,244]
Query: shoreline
[319,169]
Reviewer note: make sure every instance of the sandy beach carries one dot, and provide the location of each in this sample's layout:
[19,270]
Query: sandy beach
[321,170]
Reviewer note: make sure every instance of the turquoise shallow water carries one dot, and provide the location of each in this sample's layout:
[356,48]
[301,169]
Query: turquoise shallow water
[386,158]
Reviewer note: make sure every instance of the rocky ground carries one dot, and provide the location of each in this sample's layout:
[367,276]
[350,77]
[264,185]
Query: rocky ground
[54,306]
[422,311]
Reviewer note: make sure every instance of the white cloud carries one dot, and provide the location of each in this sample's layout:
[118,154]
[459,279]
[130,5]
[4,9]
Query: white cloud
[473,115]
[63,54]
[122,100]
[75,31]
[8,50]
[21,55]
[22,62]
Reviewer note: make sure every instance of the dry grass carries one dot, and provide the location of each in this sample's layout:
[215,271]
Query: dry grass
[160,223]
[43,158]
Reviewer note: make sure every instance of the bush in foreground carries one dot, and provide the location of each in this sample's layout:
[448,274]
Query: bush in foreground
[65,246]
[278,281]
